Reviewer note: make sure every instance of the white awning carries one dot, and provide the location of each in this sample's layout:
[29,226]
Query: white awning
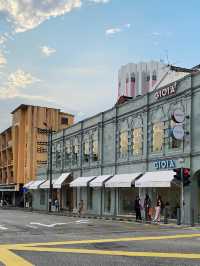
[27,185]
[58,182]
[36,184]
[82,181]
[156,179]
[46,184]
[99,180]
[123,180]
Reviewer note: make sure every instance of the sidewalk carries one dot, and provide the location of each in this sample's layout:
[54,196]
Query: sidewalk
[121,218]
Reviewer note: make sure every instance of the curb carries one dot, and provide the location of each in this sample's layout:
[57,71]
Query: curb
[97,217]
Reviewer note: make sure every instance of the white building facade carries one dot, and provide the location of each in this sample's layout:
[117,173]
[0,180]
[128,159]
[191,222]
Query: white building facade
[141,78]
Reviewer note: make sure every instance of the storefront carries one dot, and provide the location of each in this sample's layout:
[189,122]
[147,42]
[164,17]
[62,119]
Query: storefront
[153,133]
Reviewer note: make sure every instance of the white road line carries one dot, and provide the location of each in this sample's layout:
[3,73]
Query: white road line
[3,227]
[47,225]
[82,221]
[35,224]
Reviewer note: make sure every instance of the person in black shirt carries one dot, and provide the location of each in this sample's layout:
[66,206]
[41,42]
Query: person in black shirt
[138,209]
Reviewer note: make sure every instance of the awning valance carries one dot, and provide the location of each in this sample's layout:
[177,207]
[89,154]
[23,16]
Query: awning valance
[58,182]
[27,185]
[122,180]
[36,184]
[46,184]
[82,181]
[156,179]
[8,188]
[99,180]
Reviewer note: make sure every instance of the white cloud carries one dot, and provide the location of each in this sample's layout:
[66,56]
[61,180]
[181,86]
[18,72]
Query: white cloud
[17,81]
[3,60]
[47,51]
[155,33]
[112,31]
[26,15]
[3,39]
[99,1]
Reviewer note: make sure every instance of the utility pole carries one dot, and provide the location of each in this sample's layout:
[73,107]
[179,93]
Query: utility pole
[50,133]
[182,196]
[49,156]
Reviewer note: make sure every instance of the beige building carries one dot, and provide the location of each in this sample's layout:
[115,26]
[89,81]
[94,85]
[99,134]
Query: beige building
[23,147]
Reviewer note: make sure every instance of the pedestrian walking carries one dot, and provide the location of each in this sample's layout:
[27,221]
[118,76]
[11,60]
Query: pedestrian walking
[56,203]
[80,207]
[147,208]
[138,209]
[158,210]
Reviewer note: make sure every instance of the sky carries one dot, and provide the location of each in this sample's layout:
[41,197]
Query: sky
[66,53]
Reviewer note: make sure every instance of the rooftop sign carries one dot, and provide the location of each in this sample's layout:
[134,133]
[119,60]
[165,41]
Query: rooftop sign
[166,91]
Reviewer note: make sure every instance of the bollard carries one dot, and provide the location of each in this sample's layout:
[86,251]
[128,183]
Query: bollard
[178,212]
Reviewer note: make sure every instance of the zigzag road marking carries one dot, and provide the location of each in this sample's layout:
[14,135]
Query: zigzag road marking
[9,258]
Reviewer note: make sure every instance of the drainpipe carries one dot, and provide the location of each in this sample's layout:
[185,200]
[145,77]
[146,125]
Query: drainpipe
[115,126]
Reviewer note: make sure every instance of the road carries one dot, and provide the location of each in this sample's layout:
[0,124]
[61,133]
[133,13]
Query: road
[40,239]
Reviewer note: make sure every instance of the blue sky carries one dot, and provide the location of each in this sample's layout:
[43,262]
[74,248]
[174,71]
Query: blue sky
[66,53]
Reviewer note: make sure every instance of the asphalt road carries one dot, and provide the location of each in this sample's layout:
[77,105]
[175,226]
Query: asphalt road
[40,239]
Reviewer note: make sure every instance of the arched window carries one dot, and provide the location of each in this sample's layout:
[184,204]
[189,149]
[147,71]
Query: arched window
[158,136]
[137,141]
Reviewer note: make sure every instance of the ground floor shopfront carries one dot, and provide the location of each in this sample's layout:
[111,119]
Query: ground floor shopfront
[116,195]
[12,195]
[61,192]
[113,195]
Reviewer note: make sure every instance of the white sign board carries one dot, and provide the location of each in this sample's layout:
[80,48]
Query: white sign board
[178,132]
[178,116]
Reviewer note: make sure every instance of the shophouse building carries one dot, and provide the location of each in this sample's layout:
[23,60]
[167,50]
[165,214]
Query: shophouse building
[23,148]
[132,149]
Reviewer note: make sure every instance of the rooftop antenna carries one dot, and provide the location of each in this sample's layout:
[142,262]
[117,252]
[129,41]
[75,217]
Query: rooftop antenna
[167,56]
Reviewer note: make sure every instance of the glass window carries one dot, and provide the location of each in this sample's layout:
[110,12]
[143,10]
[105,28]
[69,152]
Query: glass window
[64,120]
[173,143]
[137,141]
[86,150]
[107,200]
[123,142]
[42,197]
[126,200]
[158,136]
[58,156]
[154,78]
[67,153]
[75,151]
[95,150]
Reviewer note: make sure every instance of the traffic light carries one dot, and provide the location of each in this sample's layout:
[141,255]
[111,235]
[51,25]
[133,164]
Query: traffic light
[178,175]
[186,177]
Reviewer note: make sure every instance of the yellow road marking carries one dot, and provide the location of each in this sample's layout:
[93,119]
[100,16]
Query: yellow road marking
[113,252]
[92,241]
[10,259]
